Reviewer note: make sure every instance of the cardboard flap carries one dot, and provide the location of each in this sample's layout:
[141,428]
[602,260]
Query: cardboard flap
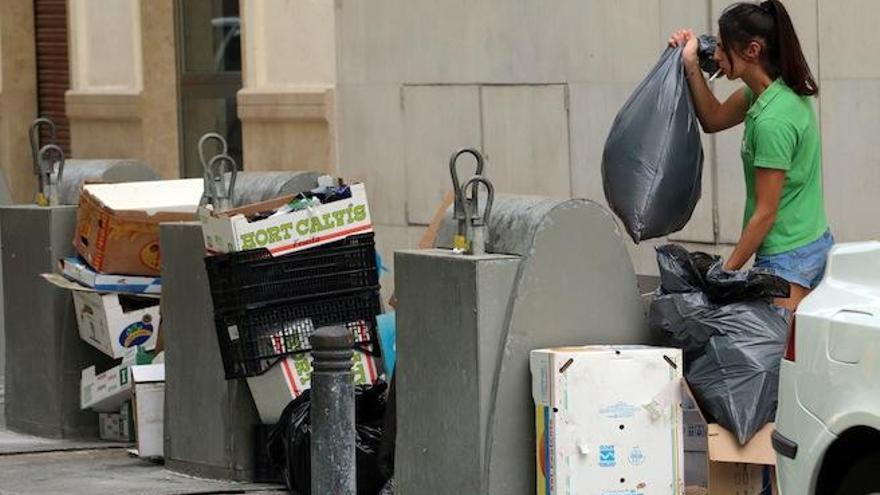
[723,446]
[150,200]
[61,282]
[270,204]
[148,373]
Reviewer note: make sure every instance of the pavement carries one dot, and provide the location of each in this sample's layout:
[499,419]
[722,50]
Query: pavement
[34,465]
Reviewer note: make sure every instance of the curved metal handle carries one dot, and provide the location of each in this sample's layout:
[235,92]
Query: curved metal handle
[459,208]
[224,147]
[217,175]
[46,166]
[478,220]
[34,138]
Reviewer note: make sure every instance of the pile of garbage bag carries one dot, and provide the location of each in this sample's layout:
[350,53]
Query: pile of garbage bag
[289,443]
[732,335]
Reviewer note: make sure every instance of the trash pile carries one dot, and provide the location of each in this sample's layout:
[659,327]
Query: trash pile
[115,284]
[732,335]
[278,270]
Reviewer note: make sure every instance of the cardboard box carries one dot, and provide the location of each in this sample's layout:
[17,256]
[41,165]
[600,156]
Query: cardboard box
[112,323]
[76,269]
[118,224]
[107,391]
[148,402]
[608,420]
[288,379]
[715,462]
[230,230]
[116,427]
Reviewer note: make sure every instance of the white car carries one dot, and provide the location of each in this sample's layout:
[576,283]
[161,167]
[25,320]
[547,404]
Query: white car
[827,434]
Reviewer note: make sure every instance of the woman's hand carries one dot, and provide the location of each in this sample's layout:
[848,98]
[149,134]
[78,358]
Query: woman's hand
[688,39]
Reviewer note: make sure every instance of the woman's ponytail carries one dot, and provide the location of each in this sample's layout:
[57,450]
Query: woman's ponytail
[790,59]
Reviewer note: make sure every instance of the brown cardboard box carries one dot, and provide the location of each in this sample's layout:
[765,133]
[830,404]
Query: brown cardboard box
[118,224]
[715,462]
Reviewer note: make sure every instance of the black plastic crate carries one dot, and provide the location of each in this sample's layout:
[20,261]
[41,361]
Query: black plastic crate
[251,277]
[256,337]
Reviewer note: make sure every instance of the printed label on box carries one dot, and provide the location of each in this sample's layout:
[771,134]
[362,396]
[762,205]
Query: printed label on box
[621,410]
[636,457]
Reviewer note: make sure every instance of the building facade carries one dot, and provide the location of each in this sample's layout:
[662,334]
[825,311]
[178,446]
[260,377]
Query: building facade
[384,90]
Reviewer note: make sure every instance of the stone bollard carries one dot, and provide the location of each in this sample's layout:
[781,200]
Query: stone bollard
[332,413]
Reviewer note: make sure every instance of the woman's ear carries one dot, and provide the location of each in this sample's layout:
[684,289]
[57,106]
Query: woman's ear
[753,51]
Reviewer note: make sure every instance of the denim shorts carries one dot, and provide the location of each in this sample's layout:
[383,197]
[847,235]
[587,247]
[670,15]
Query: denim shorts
[804,266]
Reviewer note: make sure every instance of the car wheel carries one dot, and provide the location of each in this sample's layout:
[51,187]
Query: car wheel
[863,478]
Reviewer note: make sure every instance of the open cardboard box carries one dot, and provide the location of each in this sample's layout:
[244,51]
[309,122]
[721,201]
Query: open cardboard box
[229,231]
[117,225]
[112,323]
[715,462]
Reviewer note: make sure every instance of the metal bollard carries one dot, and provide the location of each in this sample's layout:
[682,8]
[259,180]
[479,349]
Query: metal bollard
[332,413]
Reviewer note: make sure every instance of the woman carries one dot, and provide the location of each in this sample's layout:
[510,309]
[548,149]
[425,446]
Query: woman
[784,223]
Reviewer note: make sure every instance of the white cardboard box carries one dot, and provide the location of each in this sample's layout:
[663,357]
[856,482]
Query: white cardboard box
[230,230]
[105,392]
[116,426]
[148,401]
[608,420]
[291,376]
[112,323]
[76,269]
[105,324]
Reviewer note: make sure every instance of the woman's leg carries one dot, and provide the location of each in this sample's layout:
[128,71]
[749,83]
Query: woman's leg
[797,294]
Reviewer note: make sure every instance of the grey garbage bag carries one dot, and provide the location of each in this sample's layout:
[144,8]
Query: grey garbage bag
[653,159]
[732,335]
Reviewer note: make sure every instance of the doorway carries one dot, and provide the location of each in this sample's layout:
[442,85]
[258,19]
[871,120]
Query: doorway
[209,62]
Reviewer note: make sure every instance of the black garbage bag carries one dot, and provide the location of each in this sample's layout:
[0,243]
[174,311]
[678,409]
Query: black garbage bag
[653,159]
[732,335]
[289,443]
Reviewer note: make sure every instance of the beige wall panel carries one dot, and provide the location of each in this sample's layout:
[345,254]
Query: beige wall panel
[525,131]
[497,41]
[105,45]
[851,161]
[848,38]
[438,120]
[370,146]
[728,162]
[159,97]
[106,139]
[286,145]
[292,43]
[18,95]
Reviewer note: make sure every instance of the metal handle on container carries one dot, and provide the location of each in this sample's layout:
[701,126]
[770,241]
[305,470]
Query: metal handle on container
[479,222]
[459,212]
[34,138]
[49,189]
[220,191]
[224,147]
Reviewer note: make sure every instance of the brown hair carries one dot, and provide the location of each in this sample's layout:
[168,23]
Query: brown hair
[769,22]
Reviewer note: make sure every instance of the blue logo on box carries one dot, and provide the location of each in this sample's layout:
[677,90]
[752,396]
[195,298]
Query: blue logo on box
[607,457]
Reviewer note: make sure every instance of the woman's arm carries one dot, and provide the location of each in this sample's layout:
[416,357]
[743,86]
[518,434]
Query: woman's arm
[714,116]
[768,190]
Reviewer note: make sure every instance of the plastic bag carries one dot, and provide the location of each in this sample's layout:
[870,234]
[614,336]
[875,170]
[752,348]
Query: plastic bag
[289,443]
[732,335]
[653,159]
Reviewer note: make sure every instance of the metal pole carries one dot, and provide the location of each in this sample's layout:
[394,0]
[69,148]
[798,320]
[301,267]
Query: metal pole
[332,413]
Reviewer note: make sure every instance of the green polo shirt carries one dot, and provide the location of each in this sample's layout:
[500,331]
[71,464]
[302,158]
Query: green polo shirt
[781,133]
